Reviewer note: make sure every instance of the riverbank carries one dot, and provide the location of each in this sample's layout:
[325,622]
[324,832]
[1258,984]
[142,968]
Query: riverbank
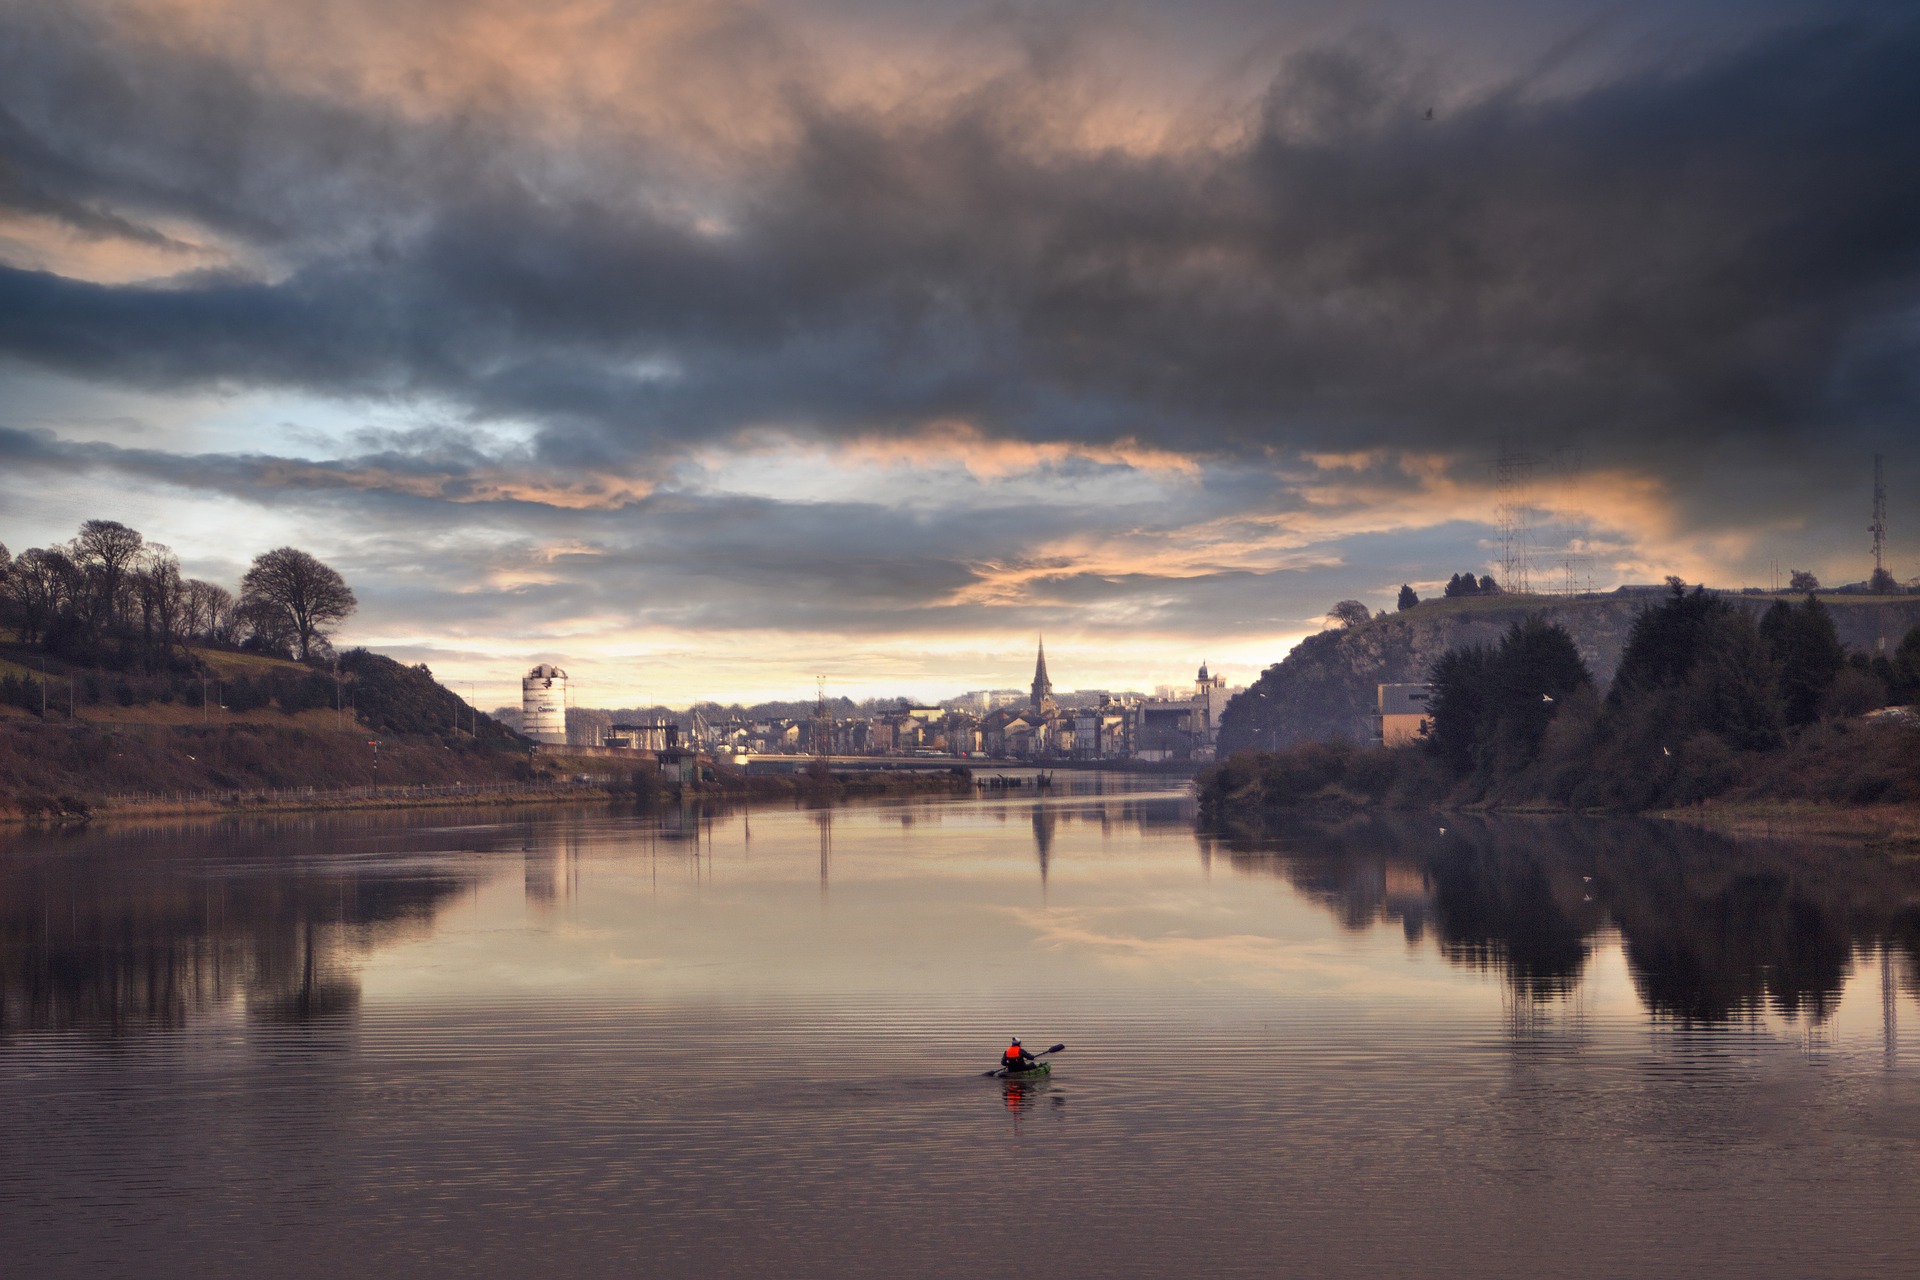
[1853,782]
[638,787]
[146,806]
[1893,827]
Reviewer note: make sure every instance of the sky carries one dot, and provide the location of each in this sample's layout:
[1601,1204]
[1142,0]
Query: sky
[705,349]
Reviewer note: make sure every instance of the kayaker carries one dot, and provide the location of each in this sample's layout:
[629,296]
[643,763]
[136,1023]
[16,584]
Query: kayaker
[1016,1058]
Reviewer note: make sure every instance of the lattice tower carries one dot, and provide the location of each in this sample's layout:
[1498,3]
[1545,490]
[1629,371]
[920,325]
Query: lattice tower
[1512,486]
[1575,564]
[1879,526]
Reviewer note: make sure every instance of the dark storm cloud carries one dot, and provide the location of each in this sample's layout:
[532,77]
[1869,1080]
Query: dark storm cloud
[95,115]
[403,477]
[1680,256]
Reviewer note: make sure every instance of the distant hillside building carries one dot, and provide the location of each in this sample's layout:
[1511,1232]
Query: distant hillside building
[543,704]
[1404,715]
[1182,728]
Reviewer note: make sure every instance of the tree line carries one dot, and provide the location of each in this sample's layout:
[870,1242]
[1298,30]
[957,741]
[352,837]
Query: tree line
[1458,586]
[114,599]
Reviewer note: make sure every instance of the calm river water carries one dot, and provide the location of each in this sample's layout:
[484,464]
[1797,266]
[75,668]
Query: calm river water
[749,1043]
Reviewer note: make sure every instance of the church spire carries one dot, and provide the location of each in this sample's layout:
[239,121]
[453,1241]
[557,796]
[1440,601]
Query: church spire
[1042,687]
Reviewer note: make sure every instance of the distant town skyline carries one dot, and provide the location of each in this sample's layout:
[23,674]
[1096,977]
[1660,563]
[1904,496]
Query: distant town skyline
[705,349]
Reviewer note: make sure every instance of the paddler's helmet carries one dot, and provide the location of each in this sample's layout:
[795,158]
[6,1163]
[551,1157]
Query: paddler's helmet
[1016,1039]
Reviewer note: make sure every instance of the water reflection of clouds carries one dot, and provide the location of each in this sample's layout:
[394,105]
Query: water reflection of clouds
[1195,941]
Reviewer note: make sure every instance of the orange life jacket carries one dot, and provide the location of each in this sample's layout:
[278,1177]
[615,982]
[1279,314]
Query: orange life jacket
[1012,1054]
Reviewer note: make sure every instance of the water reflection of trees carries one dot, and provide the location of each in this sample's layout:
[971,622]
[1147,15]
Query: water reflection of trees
[143,930]
[1711,929]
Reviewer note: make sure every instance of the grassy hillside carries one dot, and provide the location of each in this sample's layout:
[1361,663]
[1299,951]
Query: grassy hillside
[84,765]
[242,721]
[234,687]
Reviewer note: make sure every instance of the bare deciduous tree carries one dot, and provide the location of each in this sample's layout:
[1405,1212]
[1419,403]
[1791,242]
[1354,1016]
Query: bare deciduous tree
[105,551]
[162,595]
[44,581]
[209,611]
[292,586]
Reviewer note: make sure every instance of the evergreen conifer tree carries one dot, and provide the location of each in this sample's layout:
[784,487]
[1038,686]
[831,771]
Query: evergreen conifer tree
[1807,648]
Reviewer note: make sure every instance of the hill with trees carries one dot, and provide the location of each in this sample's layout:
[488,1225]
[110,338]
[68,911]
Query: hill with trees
[118,674]
[1324,690]
[1707,699]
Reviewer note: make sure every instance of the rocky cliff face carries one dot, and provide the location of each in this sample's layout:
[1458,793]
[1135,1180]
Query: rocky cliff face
[1324,689]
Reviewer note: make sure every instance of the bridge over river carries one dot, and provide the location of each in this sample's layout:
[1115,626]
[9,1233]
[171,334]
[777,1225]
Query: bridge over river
[981,766]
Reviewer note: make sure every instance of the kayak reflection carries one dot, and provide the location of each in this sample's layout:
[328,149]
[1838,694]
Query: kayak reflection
[1022,1093]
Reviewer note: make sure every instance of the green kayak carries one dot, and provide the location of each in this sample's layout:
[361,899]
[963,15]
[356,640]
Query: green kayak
[1038,1071]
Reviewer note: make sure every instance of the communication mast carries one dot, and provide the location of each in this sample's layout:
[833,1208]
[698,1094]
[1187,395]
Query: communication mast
[1575,563]
[1879,526]
[1512,488]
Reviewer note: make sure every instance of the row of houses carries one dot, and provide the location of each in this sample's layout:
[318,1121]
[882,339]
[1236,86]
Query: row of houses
[1165,728]
[1042,728]
[1180,725]
[1150,729]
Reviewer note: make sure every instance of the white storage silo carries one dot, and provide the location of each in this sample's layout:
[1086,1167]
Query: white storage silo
[543,704]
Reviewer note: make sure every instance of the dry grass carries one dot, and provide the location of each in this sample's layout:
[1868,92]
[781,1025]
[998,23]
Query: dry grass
[227,663]
[1803,820]
[164,715]
[178,715]
[95,763]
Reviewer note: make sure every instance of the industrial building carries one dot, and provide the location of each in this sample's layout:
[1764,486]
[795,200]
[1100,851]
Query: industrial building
[543,704]
[652,735]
